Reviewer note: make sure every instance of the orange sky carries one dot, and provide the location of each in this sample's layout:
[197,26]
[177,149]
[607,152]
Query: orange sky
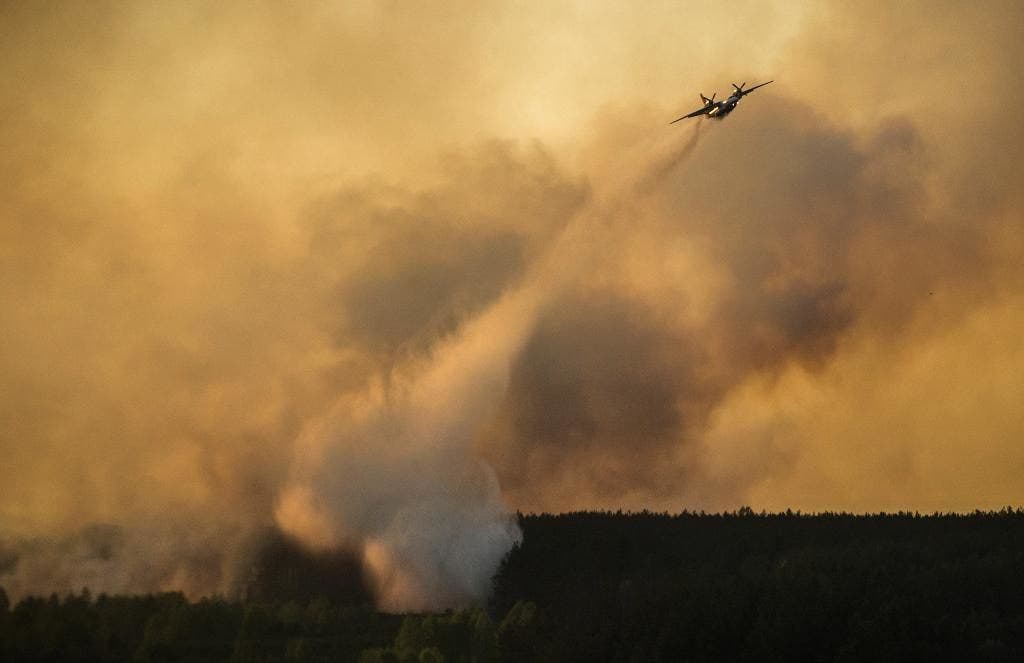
[263,265]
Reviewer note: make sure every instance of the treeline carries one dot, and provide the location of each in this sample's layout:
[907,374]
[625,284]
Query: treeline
[770,587]
[167,627]
[608,587]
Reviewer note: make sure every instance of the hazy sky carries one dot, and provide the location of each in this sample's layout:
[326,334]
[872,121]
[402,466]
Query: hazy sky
[375,273]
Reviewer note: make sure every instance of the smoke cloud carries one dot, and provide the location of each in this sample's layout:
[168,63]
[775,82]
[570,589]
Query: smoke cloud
[437,539]
[371,278]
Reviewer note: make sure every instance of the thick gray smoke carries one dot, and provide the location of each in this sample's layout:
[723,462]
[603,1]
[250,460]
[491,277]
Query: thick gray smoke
[396,475]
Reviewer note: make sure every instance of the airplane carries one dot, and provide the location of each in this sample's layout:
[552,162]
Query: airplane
[719,109]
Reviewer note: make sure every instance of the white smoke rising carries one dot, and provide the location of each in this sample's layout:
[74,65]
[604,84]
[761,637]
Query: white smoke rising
[396,477]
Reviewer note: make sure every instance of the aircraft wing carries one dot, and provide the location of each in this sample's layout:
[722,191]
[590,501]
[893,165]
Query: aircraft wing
[749,90]
[699,111]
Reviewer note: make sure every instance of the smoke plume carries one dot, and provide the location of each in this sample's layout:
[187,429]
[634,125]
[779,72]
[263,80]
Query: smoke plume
[396,475]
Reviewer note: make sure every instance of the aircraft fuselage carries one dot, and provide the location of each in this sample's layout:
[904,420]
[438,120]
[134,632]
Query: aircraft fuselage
[723,108]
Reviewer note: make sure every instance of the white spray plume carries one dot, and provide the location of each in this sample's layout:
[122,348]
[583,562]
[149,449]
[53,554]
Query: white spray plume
[395,476]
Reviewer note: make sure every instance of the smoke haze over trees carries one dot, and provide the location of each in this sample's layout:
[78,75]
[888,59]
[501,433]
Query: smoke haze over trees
[611,587]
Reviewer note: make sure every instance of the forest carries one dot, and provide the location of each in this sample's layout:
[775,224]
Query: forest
[600,586]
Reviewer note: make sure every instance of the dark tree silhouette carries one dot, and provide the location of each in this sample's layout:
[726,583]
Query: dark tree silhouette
[603,587]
